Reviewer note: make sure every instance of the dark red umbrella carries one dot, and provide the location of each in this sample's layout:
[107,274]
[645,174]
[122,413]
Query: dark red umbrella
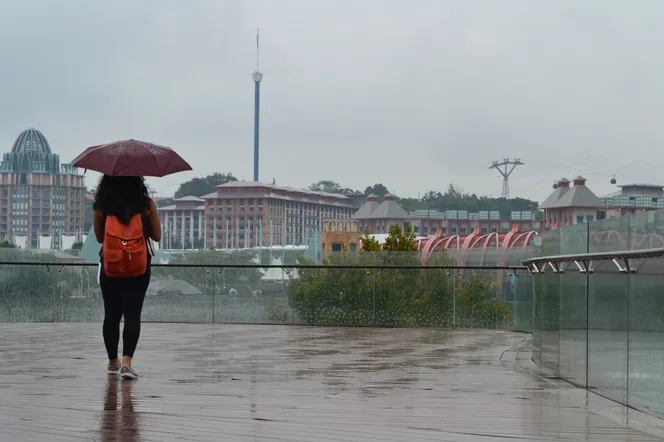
[131,158]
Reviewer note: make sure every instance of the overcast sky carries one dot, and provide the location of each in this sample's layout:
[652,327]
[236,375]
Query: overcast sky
[414,94]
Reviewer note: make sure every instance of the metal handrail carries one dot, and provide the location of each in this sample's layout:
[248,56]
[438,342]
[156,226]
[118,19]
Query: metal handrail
[584,261]
[272,266]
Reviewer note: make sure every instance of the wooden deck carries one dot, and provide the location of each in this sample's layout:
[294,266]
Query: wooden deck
[291,384]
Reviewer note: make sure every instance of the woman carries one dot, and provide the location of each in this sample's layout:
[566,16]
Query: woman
[122,202]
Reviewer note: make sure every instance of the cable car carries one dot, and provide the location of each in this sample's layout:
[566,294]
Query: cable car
[613,180]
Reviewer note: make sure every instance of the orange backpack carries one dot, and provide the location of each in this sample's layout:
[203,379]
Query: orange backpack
[125,248]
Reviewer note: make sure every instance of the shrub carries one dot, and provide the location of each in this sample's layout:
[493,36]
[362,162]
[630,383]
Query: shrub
[383,293]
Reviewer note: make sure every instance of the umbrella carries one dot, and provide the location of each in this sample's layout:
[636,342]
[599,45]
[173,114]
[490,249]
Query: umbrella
[131,158]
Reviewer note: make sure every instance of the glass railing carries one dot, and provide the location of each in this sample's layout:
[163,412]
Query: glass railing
[602,329]
[363,289]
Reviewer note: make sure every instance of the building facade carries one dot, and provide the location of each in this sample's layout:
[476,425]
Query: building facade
[379,217]
[182,223]
[567,205]
[39,197]
[246,214]
[634,198]
[340,235]
[462,222]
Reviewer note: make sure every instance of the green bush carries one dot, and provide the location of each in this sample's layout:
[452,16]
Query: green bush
[393,297]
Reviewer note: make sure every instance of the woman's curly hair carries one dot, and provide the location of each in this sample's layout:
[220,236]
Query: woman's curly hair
[122,196]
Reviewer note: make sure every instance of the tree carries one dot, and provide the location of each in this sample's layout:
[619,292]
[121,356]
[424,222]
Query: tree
[332,187]
[163,202]
[399,241]
[456,199]
[77,245]
[204,185]
[377,189]
[6,245]
[378,290]
[374,294]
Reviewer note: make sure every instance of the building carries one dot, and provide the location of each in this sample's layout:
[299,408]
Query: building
[340,235]
[571,205]
[634,198]
[462,222]
[39,197]
[379,217]
[245,214]
[182,223]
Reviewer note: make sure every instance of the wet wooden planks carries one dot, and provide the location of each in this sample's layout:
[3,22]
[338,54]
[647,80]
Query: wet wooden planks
[281,383]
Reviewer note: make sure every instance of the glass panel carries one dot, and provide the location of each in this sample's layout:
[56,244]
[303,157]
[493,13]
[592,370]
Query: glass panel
[179,294]
[521,290]
[537,319]
[481,300]
[550,306]
[253,295]
[646,352]
[573,308]
[191,289]
[608,312]
[27,293]
[77,297]
[646,310]
[646,230]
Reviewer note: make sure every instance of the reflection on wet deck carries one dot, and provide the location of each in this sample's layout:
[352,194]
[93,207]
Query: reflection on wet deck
[286,383]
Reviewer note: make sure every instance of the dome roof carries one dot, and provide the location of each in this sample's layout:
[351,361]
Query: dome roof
[31,141]
[31,154]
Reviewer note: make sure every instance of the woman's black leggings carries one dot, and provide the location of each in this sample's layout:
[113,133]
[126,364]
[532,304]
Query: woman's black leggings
[122,297]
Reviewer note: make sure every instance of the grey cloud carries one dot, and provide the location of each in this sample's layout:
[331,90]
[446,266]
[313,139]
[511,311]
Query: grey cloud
[412,94]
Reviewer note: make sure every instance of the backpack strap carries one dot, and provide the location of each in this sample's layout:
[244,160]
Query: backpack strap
[146,229]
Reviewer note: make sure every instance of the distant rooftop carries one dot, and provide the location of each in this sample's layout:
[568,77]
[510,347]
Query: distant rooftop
[258,184]
[641,185]
[577,196]
[190,198]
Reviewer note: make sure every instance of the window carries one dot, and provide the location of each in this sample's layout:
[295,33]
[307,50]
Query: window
[484,230]
[590,218]
[579,219]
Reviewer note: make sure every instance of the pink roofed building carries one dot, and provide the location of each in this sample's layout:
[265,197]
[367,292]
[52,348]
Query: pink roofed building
[246,214]
[569,205]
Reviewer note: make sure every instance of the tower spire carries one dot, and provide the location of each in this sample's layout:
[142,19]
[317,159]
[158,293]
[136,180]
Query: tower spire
[258,77]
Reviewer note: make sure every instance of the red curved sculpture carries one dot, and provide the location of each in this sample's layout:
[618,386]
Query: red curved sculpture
[493,248]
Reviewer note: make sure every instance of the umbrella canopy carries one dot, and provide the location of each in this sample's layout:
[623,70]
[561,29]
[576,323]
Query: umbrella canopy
[131,158]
